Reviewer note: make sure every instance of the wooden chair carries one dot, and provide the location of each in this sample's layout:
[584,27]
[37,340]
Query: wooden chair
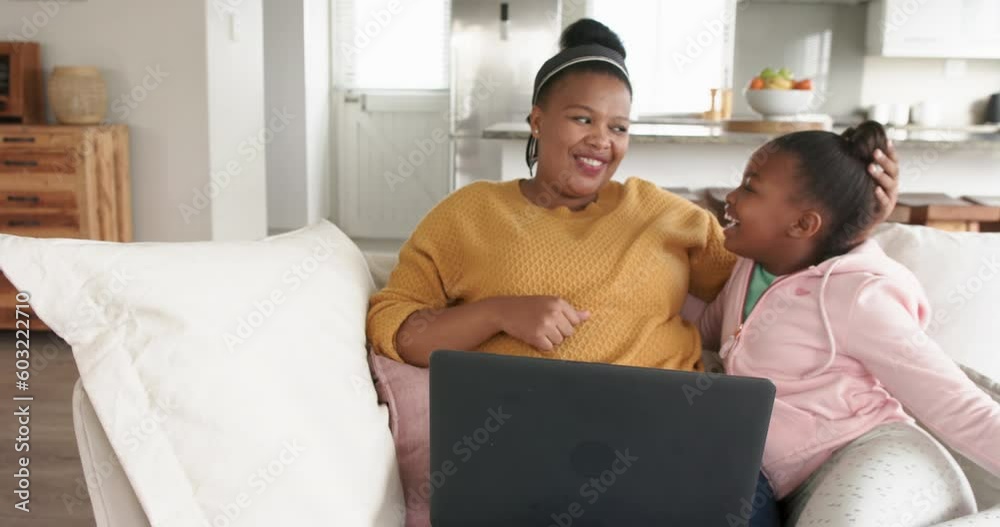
[944,212]
[697,198]
[715,199]
[987,201]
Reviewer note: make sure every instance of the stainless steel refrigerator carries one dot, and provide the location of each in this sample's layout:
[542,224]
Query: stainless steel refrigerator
[496,49]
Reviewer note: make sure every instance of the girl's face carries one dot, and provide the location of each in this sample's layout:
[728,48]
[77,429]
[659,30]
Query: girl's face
[582,133]
[767,221]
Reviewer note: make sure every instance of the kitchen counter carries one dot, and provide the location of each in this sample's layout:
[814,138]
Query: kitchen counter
[708,134]
[955,162]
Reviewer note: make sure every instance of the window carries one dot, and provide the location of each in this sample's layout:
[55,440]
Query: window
[677,50]
[391,44]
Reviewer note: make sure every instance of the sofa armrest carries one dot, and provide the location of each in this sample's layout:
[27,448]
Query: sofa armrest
[115,503]
[381,265]
[985,485]
[988,518]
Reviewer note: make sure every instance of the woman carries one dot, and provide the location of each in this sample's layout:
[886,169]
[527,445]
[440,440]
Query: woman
[568,264]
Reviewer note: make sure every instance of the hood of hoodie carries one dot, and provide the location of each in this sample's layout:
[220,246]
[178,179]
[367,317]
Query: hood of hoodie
[865,258]
[838,277]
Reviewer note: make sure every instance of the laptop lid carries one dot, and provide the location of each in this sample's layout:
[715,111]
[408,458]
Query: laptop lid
[523,441]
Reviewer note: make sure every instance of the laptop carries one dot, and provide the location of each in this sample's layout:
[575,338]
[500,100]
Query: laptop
[551,443]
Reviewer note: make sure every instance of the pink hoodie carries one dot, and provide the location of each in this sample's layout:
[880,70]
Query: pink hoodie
[843,343]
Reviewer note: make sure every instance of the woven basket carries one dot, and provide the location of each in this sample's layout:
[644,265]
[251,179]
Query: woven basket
[78,95]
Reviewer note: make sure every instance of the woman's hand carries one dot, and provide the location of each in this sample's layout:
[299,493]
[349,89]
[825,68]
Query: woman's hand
[885,172]
[540,321]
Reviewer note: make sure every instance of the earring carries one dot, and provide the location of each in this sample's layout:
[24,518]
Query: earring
[536,131]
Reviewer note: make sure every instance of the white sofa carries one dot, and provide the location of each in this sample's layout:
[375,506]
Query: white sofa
[116,505]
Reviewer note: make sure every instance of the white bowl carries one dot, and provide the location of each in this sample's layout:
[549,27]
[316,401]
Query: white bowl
[779,103]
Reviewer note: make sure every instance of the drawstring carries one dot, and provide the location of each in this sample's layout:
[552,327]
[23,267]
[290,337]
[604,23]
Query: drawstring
[826,320]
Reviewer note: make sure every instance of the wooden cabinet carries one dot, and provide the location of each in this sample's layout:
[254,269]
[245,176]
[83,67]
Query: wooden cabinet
[63,182]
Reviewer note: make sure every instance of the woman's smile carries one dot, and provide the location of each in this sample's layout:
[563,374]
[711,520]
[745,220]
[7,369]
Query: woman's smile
[591,166]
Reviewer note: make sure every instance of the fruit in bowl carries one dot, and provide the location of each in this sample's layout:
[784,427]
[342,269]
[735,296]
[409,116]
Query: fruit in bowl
[778,94]
[783,79]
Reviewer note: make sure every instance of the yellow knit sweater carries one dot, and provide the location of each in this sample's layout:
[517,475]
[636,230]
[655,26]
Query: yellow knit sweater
[629,258]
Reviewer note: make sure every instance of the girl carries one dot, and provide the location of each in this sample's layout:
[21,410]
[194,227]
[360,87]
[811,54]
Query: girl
[838,327]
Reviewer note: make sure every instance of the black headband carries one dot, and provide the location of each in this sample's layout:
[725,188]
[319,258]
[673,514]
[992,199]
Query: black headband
[576,55]
[562,60]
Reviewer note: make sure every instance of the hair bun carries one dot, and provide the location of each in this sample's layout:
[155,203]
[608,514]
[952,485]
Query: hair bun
[589,31]
[864,139]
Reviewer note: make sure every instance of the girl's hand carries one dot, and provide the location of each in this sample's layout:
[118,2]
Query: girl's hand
[540,321]
[885,171]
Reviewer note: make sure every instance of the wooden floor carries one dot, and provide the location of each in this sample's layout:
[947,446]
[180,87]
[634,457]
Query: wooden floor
[58,491]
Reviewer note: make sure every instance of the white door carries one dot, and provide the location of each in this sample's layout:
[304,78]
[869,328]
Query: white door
[391,105]
[394,161]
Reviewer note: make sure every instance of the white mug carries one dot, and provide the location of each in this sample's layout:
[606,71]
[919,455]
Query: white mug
[900,114]
[925,113]
[879,112]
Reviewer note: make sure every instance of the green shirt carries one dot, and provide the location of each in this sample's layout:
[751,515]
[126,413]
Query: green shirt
[760,280]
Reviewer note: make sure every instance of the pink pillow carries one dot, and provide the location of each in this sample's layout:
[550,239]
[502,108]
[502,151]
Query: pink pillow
[405,390]
[692,309]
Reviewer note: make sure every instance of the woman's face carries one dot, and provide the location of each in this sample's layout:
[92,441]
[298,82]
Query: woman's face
[582,134]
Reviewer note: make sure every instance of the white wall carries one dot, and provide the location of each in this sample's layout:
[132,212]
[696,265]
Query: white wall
[319,87]
[154,57]
[962,99]
[794,35]
[822,42]
[284,53]
[237,129]
[298,81]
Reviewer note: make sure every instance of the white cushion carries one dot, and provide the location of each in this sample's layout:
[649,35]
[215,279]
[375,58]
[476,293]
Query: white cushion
[894,476]
[231,378]
[961,274]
